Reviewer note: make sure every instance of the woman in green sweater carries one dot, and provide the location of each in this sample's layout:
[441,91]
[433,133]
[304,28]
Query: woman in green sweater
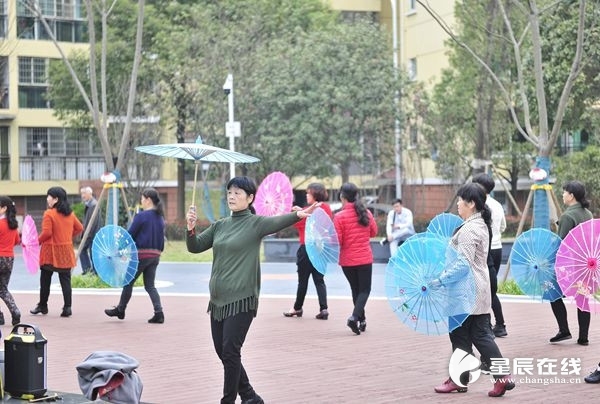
[576,213]
[235,277]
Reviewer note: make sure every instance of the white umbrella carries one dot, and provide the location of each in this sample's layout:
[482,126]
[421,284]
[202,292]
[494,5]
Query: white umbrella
[198,152]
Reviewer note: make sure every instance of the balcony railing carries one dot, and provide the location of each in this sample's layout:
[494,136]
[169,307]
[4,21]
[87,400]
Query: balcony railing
[43,168]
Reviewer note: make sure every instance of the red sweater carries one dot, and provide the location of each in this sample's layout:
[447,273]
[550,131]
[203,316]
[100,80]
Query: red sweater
[9,238]
[355,239]
[301,225]
[56,239]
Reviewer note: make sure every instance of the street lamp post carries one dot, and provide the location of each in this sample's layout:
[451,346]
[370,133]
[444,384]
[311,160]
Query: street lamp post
[397,132]
[232,128]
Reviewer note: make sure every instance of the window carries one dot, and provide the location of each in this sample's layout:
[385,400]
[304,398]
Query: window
[3,18]
[64,17]
[412,69]
[4,156]
[413,141]
[4,83]
[58,142]
[412,6]
[353,16]
[33,82]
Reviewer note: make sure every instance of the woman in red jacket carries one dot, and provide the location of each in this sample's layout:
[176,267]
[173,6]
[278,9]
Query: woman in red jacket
[355,226]
[315,192]
[9,238]
[59,226]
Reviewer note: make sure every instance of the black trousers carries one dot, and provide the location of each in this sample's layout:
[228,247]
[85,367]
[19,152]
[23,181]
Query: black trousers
[305,270]
[496,305]
[359,278]
[475,330]
[560,313]
[228,337]
[64,276]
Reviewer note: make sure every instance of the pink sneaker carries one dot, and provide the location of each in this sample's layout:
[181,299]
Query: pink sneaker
[449,386]
[501,386]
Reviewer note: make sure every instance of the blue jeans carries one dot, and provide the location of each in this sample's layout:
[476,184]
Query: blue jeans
[86,263]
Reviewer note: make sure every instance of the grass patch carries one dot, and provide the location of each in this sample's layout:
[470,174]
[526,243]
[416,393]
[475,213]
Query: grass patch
[91,281]
[176,251]
[509,287]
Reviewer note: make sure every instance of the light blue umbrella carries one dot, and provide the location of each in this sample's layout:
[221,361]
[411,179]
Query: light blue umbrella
[425,308]
[114,255]
[532,260]
[321,241]
[444,224]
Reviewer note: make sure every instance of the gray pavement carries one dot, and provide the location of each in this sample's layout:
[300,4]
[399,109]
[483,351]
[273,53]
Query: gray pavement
[298,360]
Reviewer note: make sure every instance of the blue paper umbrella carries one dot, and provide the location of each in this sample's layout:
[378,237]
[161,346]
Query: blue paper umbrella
[322,245]
[444,224]
[424,307]
[114,255]
[532,262]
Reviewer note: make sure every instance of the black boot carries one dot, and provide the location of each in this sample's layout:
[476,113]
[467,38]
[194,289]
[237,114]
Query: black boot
[40,308]
[158,318]
[66,312]
[115,312]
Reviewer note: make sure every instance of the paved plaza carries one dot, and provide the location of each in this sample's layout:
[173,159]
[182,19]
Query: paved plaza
[298,360]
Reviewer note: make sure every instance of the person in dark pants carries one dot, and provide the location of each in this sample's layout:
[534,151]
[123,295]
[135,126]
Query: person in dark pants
[576,213]
[59,226]
[355,226]
[472,241]
[315,192]
[87,197]
[498,226]
[148,232]
[235,278]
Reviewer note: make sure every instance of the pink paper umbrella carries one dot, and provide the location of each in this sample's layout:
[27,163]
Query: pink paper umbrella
[274,195]
[578,264]
[30,244]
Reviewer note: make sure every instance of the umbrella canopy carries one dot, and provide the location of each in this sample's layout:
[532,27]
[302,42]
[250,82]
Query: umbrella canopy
[274,195]
[198,152]
[114,255]
[577,264]
[425,309]
[30,244]
[444,224]
[532,264]
[321,240]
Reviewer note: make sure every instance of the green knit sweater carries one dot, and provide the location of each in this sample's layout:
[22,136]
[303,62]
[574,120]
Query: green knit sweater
[571,217]
[235,277]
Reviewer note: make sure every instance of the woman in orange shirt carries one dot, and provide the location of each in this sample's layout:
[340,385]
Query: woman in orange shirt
[9,238]
[59,226]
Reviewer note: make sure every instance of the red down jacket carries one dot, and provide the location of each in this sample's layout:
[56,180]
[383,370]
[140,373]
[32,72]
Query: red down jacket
[355,239]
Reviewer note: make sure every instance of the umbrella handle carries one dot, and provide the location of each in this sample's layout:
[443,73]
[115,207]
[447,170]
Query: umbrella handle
[196,164]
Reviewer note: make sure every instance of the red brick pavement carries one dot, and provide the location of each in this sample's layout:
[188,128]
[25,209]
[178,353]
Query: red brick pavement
[302,361]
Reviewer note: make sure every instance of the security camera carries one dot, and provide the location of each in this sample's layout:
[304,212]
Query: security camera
[228,86]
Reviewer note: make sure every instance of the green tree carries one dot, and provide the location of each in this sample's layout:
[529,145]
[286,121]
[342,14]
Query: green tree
[530,110]
[325,104]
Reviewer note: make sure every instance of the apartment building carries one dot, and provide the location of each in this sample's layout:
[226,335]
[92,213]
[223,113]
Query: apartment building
[36,151]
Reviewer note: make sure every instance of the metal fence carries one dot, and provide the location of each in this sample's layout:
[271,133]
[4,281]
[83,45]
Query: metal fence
[36,168]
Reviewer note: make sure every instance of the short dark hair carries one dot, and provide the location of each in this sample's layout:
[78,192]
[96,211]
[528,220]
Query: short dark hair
[247,185]
[397,201]
[578,190]
[318,191]
[486,181]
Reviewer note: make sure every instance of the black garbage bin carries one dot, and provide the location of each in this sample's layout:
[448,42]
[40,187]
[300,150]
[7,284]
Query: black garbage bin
[25,362]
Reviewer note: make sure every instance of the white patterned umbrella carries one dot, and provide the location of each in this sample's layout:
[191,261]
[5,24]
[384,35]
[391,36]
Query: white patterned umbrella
[198,152]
